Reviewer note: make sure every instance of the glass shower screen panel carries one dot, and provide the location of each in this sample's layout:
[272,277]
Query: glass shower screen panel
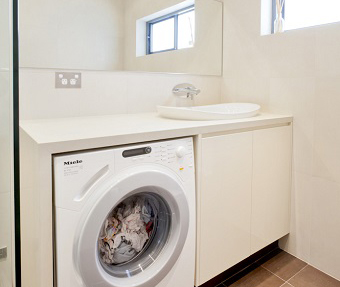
[6,150]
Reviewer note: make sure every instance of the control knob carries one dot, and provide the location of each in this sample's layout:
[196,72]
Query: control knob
[181,151]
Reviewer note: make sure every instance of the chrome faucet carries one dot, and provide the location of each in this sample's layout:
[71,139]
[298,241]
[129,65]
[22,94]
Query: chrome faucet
[186,91]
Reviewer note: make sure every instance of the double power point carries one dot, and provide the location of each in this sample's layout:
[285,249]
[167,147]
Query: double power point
[67,80]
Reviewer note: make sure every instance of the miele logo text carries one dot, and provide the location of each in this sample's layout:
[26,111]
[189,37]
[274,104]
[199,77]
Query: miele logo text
[72,162]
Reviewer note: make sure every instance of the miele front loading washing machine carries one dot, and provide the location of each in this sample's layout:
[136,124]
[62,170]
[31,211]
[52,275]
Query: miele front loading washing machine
[125,216]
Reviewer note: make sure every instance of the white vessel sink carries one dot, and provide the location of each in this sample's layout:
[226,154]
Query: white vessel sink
[211,112]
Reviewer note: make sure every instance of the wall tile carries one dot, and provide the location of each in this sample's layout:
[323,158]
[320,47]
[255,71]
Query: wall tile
[246,53]
[104,93]
[325,223]
[157,88]
[210,87]
[298,241]
[247,58]
[244,56]
[242,14]
[328,50]
[40,99]
[296,96]
[292,54]
[229,90]
[246,89]
[327,133]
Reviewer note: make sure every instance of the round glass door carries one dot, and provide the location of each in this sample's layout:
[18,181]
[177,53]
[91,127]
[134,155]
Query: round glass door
[133,230]
[134,234]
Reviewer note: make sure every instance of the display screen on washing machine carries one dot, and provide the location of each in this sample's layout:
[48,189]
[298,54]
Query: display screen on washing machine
[136,151]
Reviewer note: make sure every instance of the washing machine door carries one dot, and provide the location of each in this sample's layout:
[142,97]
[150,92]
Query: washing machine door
[147,265]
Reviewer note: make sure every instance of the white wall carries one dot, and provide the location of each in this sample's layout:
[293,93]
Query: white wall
[105,93]
[295,72]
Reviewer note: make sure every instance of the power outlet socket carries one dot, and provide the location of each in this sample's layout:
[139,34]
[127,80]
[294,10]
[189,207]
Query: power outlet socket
[67,80]
[3,253]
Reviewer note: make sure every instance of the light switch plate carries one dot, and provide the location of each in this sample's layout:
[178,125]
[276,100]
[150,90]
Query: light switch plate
[3,253]
[67,80]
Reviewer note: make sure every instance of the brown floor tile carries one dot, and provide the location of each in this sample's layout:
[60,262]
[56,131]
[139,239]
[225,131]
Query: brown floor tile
[286,285]
[259,278]
[311,277]
[284,265]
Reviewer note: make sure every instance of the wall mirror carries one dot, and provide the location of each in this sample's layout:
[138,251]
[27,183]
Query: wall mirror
[116,35]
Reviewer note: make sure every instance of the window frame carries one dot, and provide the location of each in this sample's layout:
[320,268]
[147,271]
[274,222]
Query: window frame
[174,15]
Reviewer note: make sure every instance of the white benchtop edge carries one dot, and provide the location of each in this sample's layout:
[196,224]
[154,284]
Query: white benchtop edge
[87,132]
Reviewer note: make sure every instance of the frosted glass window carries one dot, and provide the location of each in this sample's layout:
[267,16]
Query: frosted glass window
[186,30]
[172,31]
[305,13]
[163,35]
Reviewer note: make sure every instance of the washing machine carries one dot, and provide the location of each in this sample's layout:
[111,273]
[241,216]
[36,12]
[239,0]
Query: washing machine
[125,216]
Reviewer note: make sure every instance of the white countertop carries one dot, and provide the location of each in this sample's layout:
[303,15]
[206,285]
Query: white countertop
[129,128]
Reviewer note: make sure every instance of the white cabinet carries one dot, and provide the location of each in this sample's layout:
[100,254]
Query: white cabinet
[225,202]
[243,196]
[271,186]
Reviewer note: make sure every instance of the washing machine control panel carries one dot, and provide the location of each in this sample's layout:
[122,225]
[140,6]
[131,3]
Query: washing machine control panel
[177,155]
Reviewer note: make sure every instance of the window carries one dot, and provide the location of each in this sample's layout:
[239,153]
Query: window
[171,32]
[306,13]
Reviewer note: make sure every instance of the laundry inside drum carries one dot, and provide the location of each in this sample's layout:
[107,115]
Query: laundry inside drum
[134,234]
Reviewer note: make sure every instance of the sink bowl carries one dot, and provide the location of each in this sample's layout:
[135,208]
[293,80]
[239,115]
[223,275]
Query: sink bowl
[227,111]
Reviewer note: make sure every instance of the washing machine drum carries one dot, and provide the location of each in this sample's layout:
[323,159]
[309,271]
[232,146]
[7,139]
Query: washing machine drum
[134,232]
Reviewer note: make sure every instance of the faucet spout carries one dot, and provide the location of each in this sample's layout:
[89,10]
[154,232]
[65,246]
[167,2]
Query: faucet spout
[186,91]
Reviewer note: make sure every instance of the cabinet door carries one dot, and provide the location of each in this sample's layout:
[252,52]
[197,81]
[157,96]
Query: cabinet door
[271,185]
[225,203]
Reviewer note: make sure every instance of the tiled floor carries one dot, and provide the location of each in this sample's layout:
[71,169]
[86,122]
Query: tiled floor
[285,270]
